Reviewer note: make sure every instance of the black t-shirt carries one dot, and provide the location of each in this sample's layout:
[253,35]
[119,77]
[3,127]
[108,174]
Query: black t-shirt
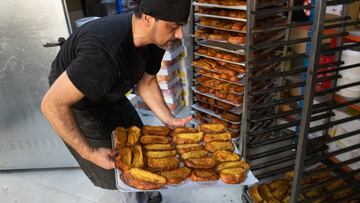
[101,60]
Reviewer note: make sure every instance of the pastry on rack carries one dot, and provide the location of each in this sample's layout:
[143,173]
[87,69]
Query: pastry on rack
[217,146]
[123,159]
[142,179]
[156,130]
[133,135]
[183,148]
[233,175]
[203,175]
[162,164]
[137,158]
[160,154]
[153,139]
[158,147]
[200,163]
[120,137]
[176,176]
[193,154]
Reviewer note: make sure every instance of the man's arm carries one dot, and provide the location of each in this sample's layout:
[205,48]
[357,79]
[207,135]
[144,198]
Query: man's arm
[56,106]
[149,90]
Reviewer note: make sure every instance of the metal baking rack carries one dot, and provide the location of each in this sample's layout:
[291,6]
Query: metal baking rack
[275,139]
[216,45]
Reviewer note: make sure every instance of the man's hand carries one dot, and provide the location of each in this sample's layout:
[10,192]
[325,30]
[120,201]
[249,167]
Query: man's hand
[102,157]
[178,122]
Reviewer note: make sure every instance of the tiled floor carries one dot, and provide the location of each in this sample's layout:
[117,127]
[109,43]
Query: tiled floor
[72,186]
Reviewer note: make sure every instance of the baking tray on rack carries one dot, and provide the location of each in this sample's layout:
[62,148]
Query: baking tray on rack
[242,8]
[210,57]
[187,184]
[235,83]
[222,46]
[219,28]
[207,111]
[220,17]
[236,110]
[228,92]
[213,96]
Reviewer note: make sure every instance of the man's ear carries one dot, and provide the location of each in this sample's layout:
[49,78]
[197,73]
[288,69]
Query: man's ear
[148,20]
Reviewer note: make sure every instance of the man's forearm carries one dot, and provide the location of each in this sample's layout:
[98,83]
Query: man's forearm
[151,94]
[62,120]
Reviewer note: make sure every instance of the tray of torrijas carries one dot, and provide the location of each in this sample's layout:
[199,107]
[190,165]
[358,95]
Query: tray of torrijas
[158,158]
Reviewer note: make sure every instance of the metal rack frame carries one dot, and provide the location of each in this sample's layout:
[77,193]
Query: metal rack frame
[275,141]
[269,145]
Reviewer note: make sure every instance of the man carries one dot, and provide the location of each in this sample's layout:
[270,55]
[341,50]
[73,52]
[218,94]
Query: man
[94,69]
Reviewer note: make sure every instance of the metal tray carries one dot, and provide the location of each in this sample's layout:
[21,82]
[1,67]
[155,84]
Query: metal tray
[210,57]
[219,17]
[188,184]
[242,8]
[212,96]
[207,111]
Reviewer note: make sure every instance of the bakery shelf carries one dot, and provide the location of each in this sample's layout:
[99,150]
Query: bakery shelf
[221,43]
[235,83]
[214,97]
[219,17]
[242,8]
[235,110]
[217,59]
[230,92]
[207,111]
[222,46]
[219,28]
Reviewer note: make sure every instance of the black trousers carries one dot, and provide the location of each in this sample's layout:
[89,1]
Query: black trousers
[97,126]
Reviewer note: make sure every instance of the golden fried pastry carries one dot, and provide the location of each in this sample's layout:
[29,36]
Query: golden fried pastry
[216,146]
[232,164]
[286,199]
[156,130]
[182,148]
[218,121]
[138,159]
[200,163]
[194,154]
[233,175]
[224,105]
[188,138]
[163,164]
[276,184]
[183,129]
[343,193]
[154,139]
[255,195]
[334,185]
[265,192]
[219,137]
[160,154]
[212,128]
[158,147]
[225,156]
[176,176]
[204,175]
[281,192]
[123,159]
[120,137]
[143,180]
[133,135]
[236,40]
[231,117]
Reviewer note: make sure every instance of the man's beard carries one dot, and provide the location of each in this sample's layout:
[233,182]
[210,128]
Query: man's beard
[167,45]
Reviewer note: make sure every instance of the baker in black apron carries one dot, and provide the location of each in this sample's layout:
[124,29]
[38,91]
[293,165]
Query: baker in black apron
[94,69]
